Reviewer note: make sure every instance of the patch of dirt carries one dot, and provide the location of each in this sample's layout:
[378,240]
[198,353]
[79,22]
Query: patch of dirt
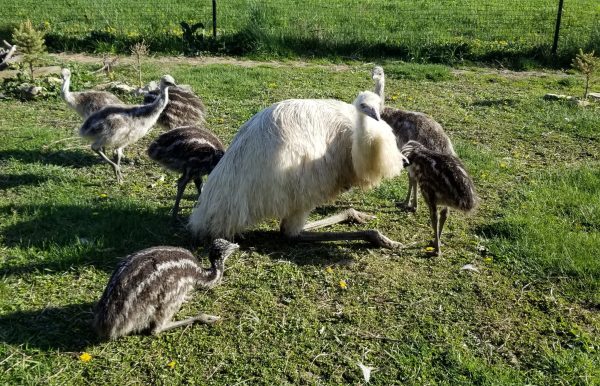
[509,73]
[199,61]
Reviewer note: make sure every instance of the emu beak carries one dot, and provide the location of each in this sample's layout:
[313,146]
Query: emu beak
[405,162]
[372,112]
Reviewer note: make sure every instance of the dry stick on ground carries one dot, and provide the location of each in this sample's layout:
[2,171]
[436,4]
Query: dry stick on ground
[5,55]
[108,64]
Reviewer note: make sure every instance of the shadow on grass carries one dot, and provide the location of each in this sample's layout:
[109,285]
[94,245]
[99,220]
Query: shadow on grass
[72,235]
[8,181]
[66,158]
[278,247]
[101,232]
[65,328]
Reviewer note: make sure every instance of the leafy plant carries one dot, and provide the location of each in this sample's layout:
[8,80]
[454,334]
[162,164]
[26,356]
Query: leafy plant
[191,39]
[139,51]
[587,64]
[30,42]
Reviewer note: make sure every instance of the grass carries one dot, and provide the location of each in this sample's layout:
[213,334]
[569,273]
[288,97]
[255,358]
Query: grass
[529,317]
[514,32]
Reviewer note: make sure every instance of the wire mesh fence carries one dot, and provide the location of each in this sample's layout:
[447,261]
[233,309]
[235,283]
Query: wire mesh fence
[409,29]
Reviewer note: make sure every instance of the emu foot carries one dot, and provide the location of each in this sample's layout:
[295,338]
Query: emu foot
[206,318]
[377,238]
[433,249]
[354,216]
[405,207]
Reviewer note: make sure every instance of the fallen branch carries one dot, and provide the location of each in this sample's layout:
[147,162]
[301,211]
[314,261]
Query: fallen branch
[5,55]
[108,65]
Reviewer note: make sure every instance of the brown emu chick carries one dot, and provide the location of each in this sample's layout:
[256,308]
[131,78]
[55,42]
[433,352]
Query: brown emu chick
[191,151]
[85,103]
[411,126]
[148,287]
[184,108]
[444,182]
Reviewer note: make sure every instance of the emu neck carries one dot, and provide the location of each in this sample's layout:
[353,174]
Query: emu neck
[379,90]
[65,93]
[152,111]
[209,277]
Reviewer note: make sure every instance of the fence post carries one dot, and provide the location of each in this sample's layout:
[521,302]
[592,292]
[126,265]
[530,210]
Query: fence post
[557,28]
[214,6]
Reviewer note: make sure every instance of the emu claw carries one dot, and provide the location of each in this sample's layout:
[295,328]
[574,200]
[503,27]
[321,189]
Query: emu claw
[377,238]
[405,207]
[357,217]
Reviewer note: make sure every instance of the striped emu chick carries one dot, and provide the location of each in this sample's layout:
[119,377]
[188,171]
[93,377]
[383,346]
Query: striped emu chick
[120,126]
[85,103]
[184,108]
[411,126]
[444,182]
[148,287]
[191,151]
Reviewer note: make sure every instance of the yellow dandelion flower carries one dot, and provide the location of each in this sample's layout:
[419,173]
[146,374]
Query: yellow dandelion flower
[343,284]
[103,195]
[329,269]
[429,249]
[503,165]
[171,364]
[394,97]
[85,357]
[487,260]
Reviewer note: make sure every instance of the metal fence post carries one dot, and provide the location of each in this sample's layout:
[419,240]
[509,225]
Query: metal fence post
[557,28]
[214,5]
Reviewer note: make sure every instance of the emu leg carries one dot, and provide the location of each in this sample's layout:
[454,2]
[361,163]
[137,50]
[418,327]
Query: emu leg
[372,236]
[443,218]
[415,193]
[349,215]
[435,226]
[198,183]
[202,318]
[405,204]
[181,184]
[410,202]
[115,167]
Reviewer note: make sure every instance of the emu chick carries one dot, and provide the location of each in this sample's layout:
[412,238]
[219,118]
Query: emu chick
[184,108]
[411,126]
[443,181]
[148,287]
[191,151]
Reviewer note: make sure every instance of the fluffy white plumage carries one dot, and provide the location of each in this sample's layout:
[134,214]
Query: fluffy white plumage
[291,157]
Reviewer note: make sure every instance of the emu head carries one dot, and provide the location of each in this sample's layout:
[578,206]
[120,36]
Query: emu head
[409,148]
[66,73]
[377,73]
[368,103]
[167,81]
[219,251]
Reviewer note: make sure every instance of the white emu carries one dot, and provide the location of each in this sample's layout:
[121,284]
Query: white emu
[411,126]
[293,156]
[85,103]
[118,126]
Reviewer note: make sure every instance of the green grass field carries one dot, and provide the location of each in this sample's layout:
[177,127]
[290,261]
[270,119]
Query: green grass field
[530,316]
[514,32]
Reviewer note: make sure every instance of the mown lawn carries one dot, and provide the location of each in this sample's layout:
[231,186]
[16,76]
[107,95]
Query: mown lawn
[530,316]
